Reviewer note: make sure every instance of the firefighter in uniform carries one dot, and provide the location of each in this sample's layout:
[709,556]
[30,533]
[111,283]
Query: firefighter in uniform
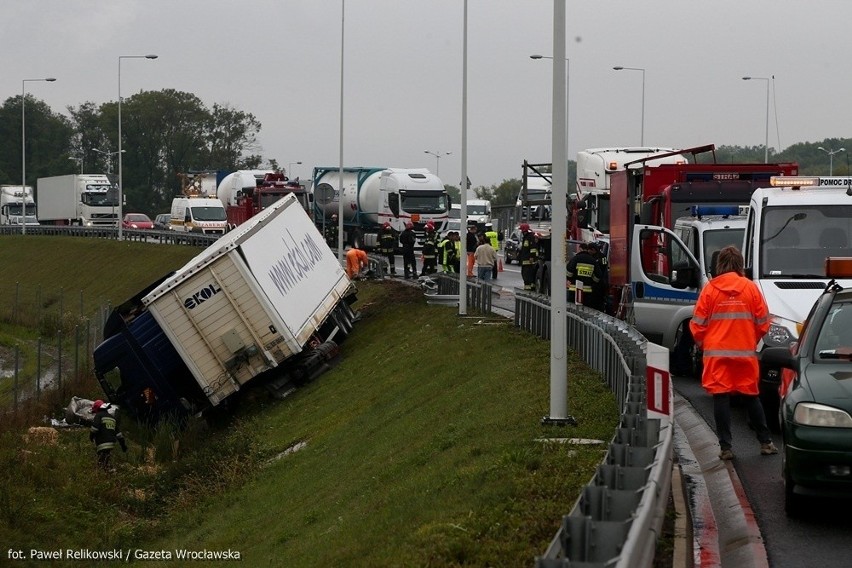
[430,251]
[583,270]
[447,250]
[528,256]
[105,434]
[331,232]
[387,245]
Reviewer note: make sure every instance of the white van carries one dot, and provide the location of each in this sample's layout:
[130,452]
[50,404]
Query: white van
[198,215]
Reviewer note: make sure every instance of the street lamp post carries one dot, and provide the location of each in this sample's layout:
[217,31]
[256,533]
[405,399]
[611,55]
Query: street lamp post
[290,168]
[766,150]
[108,155]
[620,68]
[24,149]
[831,154]
[438,156]
[567,82]
[120,151]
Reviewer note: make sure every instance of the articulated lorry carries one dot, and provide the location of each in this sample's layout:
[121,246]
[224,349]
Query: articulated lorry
[87,200]
[17,205]
[267,299]
[374,196]
[654,277]
[245,193]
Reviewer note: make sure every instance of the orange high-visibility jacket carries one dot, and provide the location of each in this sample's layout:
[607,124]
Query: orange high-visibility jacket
[729,320]
[356,259]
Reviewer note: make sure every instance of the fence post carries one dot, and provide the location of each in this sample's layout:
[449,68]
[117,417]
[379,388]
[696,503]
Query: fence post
[59,358]
[17,364]
[38,369]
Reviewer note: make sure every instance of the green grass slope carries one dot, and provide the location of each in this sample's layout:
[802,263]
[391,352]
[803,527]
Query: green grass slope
[421,447]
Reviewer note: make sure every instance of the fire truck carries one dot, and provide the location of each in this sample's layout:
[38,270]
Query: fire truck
[246,193]
[654,278]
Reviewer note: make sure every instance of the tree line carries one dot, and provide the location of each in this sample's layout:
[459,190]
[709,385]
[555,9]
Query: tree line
[169,132]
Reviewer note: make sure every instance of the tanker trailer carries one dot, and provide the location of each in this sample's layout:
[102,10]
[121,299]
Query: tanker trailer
[374,196]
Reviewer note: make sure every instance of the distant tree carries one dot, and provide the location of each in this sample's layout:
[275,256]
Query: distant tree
[231,134]
[48,137]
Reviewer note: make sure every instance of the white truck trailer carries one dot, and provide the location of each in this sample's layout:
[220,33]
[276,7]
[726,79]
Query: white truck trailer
[268,295]
[88,200]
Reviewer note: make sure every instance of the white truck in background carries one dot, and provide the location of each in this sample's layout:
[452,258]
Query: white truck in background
[594,167]
[17,205]
[374,196]
[793,226]
[268,295]
[87,200]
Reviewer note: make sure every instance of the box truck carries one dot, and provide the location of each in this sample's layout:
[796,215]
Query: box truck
[88,200]
[269,295]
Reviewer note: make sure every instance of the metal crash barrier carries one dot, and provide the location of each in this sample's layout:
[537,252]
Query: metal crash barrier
[618,517]
[444,289]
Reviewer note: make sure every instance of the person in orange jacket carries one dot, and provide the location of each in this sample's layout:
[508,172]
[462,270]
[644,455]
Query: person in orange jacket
[356,261]
[729,320]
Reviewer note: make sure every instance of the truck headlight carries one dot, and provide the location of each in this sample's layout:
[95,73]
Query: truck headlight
[813,414]
[778,335]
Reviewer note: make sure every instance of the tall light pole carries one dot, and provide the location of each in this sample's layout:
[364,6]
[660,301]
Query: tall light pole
[120,151]
[567,82]
[24,149]
[438,156]
[108,155]
[831,154]
[290,168]
[620,68]
[766,150]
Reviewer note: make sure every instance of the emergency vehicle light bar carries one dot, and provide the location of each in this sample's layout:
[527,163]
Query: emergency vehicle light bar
[838,267]
[612,166]
[793,181]
[810,181]
[699,210]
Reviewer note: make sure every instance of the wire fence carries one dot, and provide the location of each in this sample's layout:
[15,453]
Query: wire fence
[45,341]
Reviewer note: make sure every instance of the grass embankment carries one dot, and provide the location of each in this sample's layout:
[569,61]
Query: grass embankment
[419,448]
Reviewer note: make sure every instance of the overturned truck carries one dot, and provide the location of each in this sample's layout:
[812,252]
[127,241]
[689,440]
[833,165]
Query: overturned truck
[267,299]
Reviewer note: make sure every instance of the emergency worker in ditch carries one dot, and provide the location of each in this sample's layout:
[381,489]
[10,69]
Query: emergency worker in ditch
[105,434]
[430,251]
[583,275]
[729,320]
[331,232]
[387,245]
[528,256]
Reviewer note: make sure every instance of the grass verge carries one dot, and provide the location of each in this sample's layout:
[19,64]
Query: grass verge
[422,446]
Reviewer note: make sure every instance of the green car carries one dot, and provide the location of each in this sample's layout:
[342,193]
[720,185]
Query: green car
[816,402]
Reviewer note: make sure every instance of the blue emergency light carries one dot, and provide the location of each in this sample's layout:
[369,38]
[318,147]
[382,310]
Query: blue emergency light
[702,210]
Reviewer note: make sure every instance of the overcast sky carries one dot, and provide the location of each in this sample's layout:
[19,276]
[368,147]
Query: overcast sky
[280,61]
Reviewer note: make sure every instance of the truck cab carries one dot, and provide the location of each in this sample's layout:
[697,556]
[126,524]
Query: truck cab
[793,226]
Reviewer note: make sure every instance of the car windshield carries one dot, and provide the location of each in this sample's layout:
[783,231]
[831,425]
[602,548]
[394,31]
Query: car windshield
[795,241]
[477,210]
[835,337]
[138,219]
[208,213]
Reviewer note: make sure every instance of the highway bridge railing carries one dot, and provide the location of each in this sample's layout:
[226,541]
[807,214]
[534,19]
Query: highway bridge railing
[619,515]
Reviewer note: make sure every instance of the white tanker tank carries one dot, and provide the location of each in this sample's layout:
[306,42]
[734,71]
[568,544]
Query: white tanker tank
[374,196]
[233,184]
